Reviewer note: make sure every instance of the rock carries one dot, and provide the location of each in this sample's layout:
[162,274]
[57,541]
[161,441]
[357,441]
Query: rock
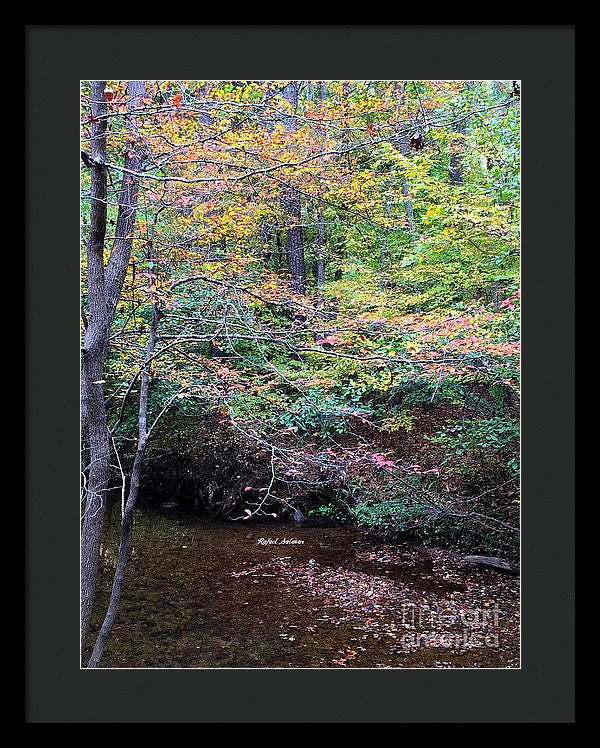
[490,562]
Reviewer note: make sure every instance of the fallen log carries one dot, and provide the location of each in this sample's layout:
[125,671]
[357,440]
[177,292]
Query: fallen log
[490,562]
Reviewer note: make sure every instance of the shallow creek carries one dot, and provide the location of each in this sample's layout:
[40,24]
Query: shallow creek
[202,593]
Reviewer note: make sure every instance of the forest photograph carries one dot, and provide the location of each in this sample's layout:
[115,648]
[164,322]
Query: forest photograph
[300,374]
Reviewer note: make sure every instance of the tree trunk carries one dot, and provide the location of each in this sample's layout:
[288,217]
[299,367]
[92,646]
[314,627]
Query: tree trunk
[293,208]
[456,157]
[118,261]
[343,218]
[134,487]
[403,142]
[267,246]
[496,295]
[104,290]
[295,248]
[95,341]
[279,251]
[320,247]
[384,255]
[404,149]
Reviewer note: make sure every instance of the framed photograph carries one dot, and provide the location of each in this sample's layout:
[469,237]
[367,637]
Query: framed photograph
[307,385]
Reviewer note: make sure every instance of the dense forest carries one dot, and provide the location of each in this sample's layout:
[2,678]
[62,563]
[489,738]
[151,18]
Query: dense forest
[300,304]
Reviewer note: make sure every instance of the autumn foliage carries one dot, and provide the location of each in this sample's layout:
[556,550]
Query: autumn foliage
[388,392]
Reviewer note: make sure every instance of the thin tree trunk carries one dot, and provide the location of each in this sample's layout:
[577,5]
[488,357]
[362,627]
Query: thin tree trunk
[104,290]
[267,247]
[279,251]
[343,218]
[384,255]
[320,247]
[496,295]
[404,149]
[293,208]
[118,261]
[456,157]
[403,142]
[134,487]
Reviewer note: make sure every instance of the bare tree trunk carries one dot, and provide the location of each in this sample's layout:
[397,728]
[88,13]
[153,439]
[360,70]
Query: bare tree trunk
[267,246]
[279,251]
[456,157]
[295,248]
[121,252]
[134,487]
[403,142]
[293,207]
[343,218]
[496,295]
[104,290]
[404,149]
[320,247]
[384,255]
[93,356]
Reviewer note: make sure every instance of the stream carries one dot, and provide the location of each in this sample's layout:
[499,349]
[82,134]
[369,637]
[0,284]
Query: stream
[200,593]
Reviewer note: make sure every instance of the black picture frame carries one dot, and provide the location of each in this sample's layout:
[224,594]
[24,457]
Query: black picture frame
[57,57]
